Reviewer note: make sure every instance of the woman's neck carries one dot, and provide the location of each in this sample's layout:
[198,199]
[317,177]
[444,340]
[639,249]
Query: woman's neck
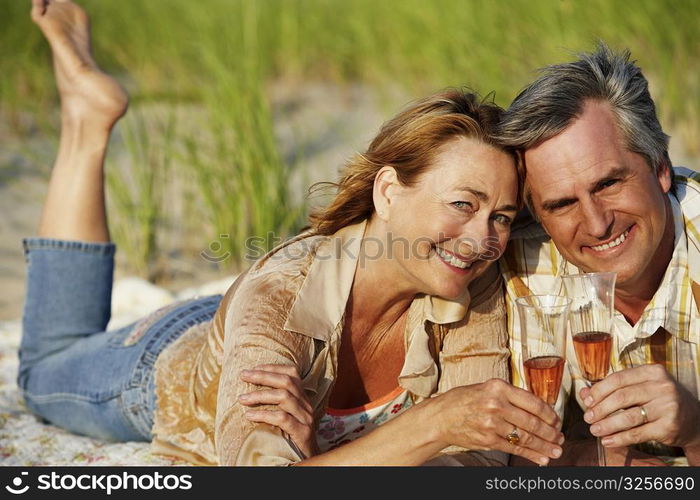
[375,303]
[380,294]
[372,353]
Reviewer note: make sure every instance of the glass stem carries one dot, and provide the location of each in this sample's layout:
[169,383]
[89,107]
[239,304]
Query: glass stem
[600,449]
[601,453]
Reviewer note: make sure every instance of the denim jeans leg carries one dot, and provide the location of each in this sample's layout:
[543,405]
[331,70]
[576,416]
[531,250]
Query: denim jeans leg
[75,374]
[69,292]
[103,385]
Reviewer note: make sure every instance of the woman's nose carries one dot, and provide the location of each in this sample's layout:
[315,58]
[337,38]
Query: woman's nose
[475,237]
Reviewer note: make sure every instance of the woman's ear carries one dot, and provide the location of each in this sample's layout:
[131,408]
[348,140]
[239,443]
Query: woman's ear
[386,187]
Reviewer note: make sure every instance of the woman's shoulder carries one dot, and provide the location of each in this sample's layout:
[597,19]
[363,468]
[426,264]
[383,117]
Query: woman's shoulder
[275,278]
[285,266]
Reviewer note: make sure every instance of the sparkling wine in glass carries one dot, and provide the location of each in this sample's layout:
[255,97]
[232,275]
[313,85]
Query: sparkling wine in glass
[543,376]
[590,321]
[593,354]
[543,320]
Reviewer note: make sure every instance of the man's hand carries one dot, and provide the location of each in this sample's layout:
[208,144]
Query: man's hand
[643,404]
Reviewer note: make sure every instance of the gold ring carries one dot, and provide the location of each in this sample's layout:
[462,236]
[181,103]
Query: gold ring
[645,417]
[513,437]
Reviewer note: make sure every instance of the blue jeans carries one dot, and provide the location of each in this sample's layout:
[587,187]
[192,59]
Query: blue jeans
[74,373]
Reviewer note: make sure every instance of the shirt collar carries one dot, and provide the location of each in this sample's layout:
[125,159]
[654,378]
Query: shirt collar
[671,302]
[442,311]
[320,302]
[671,305]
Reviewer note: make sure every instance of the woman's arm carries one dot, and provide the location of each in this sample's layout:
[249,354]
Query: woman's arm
[475,417]
[284,390]
[475,350]
[417,439]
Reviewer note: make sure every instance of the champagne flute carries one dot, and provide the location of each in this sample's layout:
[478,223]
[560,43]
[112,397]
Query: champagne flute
[591,321]
[543,320]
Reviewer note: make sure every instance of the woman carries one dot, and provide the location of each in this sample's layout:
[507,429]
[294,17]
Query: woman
[350,344]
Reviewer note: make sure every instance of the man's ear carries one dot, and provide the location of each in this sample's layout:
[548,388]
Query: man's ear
[545,229]
[386,189]
[663,174]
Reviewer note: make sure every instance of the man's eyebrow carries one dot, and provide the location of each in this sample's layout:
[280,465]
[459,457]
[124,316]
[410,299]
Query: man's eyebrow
[551,205]
[615,173]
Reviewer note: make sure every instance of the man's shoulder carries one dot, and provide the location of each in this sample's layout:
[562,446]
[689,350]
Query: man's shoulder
[687,183]
[683,174]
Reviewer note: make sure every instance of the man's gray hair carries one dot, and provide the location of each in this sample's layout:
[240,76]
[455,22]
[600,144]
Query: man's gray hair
[548,105]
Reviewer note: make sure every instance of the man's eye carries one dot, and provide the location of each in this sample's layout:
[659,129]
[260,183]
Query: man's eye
[558,206]
[608,183]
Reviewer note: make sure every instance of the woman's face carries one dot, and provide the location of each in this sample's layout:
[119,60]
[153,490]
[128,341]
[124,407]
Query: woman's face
[456,217]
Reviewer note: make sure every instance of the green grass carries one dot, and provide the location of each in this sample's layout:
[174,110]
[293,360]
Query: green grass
[137,194]
[492,45]
[219,55]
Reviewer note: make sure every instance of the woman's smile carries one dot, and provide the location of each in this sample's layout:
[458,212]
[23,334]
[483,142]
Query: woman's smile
[454,262]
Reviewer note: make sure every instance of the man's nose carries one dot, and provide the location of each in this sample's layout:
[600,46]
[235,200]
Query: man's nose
[598,219]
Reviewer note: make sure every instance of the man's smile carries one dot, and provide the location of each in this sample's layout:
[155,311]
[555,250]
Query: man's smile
[613,245]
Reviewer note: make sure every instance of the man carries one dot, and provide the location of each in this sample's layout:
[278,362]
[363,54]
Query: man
[599,180]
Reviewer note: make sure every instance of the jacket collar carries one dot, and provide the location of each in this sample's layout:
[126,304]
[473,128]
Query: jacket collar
[320,303]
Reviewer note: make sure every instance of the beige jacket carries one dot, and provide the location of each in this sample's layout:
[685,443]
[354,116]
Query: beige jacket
[288,308]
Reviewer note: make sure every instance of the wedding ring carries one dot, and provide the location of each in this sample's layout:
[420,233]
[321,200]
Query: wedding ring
[645,417]
[513,437]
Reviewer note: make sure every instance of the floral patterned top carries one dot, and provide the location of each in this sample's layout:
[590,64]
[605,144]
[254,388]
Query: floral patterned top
[338,427]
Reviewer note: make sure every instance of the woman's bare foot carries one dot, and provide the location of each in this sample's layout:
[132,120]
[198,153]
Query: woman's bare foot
[88,95]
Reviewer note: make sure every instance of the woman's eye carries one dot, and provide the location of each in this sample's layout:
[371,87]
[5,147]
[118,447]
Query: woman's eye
[463,205]
[503,219]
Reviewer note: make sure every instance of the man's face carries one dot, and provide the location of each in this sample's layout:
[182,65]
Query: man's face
[603,206]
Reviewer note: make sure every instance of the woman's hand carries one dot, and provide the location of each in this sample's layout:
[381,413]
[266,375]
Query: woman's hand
[294,415]
[480,416]
[584,453]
